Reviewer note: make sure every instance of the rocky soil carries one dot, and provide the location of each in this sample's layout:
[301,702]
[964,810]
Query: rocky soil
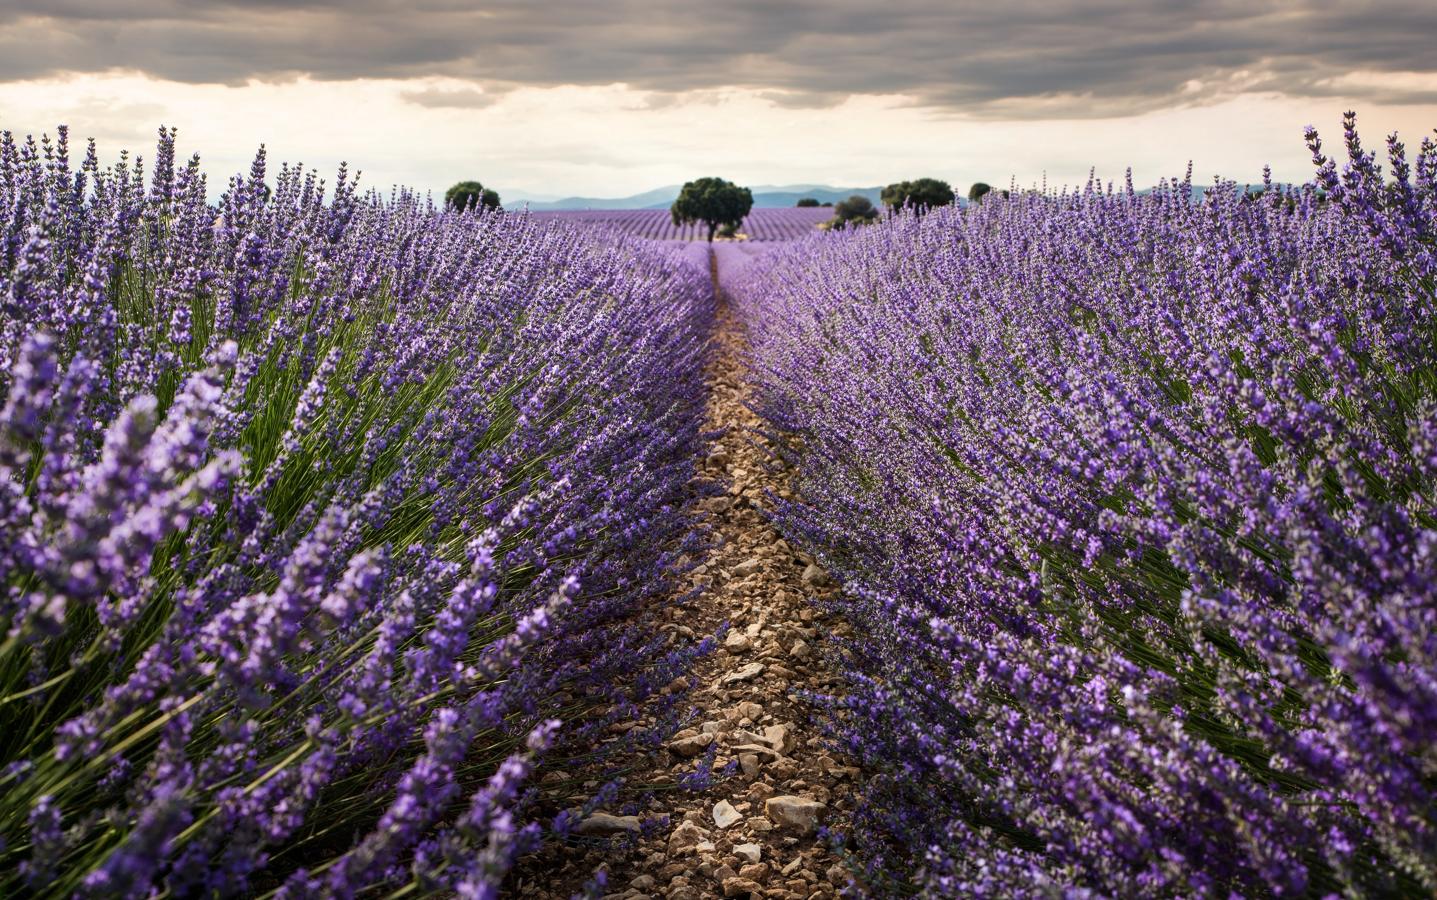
[752,834]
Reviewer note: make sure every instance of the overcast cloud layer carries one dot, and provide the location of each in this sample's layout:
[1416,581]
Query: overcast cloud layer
[1005,59]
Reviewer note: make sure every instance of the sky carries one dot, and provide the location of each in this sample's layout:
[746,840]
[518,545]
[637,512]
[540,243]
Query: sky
[581,97]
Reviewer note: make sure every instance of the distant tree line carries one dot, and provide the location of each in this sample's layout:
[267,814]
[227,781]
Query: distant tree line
[721,206]
[920,195]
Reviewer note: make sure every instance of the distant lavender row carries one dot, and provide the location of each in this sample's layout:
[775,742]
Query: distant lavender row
[321,516]
[1134,502]
[733,257]
[656,224]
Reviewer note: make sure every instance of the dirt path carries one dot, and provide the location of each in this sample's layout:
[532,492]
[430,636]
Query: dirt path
[751,834]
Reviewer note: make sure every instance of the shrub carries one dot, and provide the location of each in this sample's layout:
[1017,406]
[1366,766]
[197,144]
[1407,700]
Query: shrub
[470,195]
[921,194]
[856,210]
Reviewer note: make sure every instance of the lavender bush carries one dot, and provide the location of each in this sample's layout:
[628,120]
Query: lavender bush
[319,512]
[1132,498]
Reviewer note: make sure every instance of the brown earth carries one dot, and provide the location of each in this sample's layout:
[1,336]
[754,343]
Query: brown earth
[750,835]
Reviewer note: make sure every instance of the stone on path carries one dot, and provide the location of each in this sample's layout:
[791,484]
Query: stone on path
[750,671]
[725,815]
[754,872]
[603,823]
[686,835]
[814,576]
[691,746]
[748,763]
[780,738]
[793,813]
[736,886]
[749,853]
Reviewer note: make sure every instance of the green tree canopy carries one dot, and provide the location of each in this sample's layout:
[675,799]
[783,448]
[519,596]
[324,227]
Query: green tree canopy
[712,201]
[856,210]
[922,193]
[807,201]
[978,189]
[470,195]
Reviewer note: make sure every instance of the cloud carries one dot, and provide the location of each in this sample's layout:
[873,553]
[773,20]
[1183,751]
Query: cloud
[789,99]
[457,98]
[1018,58]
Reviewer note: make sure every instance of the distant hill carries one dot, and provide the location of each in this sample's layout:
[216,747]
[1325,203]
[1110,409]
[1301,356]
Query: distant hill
[765,196]
[647,200]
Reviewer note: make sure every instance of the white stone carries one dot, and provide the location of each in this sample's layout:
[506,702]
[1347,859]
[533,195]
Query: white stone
[725,815]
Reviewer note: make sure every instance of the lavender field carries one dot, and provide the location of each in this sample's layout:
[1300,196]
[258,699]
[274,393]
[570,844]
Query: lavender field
[322,518]
[1134,503]
[353,547]
[656,224]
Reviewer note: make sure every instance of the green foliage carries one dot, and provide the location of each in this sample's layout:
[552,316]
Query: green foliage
[923,193]
[470,195]
[856,210]
[807,202]
[978,189]
[712,201]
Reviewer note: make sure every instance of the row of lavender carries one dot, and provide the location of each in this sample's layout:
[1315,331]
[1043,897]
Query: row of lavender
[1134,501]
[656,224]
[320,514]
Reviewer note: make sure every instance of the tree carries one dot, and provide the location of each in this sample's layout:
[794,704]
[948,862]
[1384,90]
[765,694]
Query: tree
[712,201]
[807,202]
[976,192]
[470,195]
[856,210]
[923,193]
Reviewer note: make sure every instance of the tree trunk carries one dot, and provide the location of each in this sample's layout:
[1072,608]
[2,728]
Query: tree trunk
[713,226]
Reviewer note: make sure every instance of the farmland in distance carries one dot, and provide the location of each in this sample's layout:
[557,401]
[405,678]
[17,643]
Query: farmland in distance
[656,224]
